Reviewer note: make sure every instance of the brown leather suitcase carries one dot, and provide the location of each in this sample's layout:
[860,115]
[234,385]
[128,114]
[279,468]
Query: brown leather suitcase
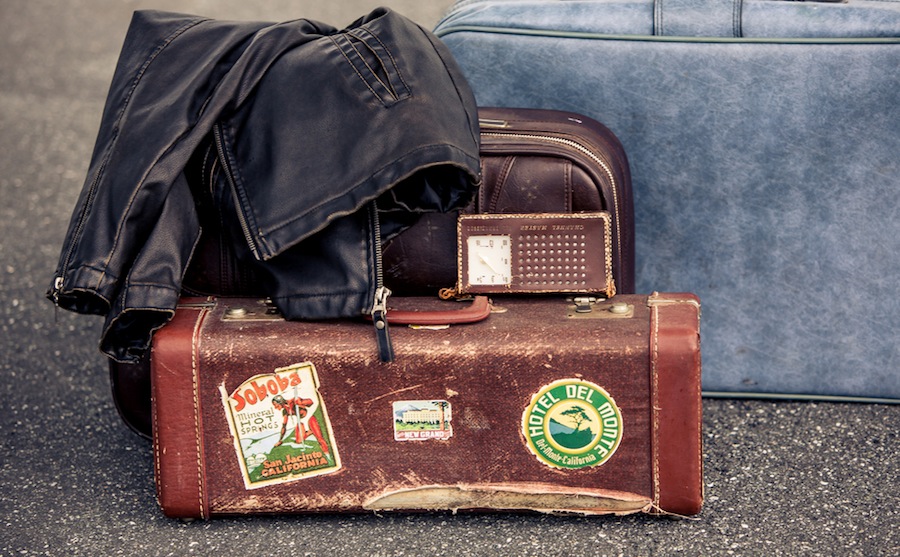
[533,161]
[550,405]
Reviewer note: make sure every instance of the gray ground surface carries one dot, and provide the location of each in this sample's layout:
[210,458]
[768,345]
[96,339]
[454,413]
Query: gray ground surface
[782,478]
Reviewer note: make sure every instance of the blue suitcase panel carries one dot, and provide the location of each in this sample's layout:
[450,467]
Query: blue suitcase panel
[765,166]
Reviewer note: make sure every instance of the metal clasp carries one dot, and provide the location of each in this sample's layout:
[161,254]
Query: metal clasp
[263,310]
[584,304]
[589,307]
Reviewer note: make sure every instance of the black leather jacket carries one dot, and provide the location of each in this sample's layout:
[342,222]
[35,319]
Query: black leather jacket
[327,143]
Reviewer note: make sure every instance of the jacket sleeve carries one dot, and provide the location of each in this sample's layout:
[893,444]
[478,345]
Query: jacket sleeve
[150,291]
[176,75]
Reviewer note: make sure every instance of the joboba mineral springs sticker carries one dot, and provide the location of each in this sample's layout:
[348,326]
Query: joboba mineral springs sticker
[418,420]
[572,424]
[280,427]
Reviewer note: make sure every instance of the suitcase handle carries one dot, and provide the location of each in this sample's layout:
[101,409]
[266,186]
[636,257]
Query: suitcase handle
[697,18]
[702,18]
[477,310]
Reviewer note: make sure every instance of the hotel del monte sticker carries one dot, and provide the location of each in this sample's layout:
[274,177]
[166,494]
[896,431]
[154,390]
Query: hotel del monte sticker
[572,424]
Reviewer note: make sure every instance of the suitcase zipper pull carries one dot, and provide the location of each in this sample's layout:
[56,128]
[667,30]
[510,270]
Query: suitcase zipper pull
[379,318]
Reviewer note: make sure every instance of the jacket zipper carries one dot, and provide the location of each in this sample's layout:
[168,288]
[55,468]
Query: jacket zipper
[379,307]
[245,228]
[581,148]
[381,294]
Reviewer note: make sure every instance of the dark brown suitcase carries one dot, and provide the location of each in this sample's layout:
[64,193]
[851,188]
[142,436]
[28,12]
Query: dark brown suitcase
[534,161]
[548,405]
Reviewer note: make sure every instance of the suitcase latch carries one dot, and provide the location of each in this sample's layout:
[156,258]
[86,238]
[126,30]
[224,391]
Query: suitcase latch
[589,307]
[263,310]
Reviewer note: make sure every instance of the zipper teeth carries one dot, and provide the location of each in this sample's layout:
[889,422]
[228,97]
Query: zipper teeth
[584,150]
[245,228]
[379,258]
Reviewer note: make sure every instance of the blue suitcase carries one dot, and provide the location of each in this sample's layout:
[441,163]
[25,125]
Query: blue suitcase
[764,141]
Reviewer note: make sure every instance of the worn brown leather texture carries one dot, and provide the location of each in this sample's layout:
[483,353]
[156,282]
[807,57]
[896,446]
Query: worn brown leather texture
[533,161]
[648,362]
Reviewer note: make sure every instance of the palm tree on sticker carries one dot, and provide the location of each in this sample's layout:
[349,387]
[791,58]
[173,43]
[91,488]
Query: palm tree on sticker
[442,404]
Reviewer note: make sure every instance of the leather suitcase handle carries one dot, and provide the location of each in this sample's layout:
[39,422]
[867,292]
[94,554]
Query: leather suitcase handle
[478,310]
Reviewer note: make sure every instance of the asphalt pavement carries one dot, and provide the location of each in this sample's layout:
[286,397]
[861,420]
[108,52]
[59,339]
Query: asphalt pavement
[782,478]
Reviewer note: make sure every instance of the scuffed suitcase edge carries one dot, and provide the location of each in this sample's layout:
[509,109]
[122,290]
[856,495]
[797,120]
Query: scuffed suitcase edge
[539,498]
[675,375]
[178,465]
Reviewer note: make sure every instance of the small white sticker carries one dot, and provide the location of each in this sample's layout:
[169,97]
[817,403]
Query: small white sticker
[422,420]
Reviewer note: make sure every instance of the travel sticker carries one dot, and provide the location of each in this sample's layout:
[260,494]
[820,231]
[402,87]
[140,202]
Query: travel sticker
[418,420]
[280,427]
[572,424]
